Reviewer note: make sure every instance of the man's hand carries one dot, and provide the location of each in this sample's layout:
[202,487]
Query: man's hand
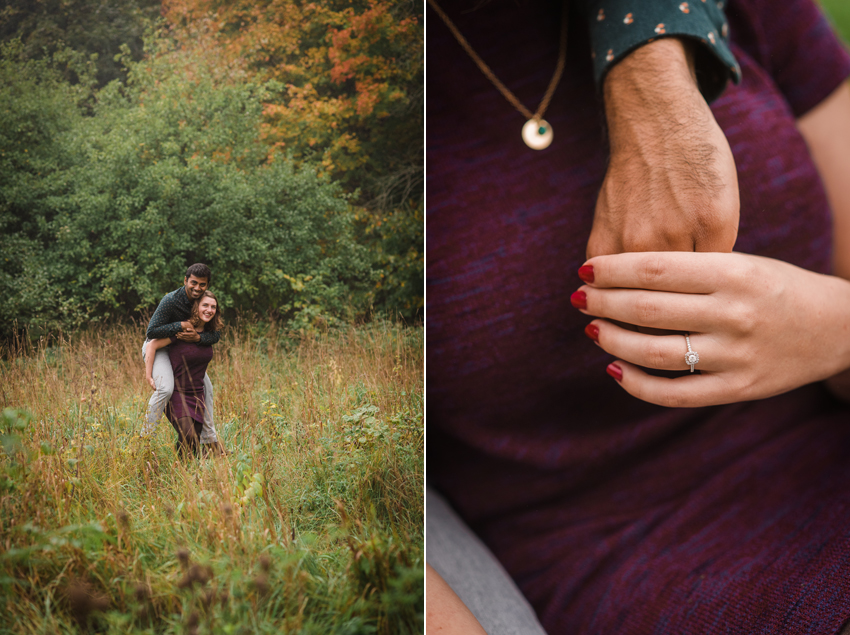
[671,183]
[188,336]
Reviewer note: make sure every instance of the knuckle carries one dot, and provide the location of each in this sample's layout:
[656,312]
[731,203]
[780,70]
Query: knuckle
[710,218]
[645,244]
[646,238]
[600,245]
[743,318]
[651,271]
[722,233]
[742,272]
[656,355]
[647,311]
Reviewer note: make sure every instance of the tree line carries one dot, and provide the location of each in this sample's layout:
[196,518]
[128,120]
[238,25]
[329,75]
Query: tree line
[280,142]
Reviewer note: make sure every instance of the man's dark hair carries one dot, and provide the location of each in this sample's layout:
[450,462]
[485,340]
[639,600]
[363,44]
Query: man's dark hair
[199,270]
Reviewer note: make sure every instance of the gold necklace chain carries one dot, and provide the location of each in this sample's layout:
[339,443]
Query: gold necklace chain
[540,131]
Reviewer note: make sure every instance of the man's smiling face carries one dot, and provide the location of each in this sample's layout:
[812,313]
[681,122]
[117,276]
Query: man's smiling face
[195,287]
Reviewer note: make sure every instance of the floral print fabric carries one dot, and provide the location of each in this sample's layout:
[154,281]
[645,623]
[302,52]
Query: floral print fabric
[617,27]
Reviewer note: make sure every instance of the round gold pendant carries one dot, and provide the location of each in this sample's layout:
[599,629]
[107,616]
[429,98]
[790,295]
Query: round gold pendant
[537,134]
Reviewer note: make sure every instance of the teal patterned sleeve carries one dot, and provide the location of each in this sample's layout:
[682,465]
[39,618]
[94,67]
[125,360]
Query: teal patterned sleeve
[164,323]
[617,27]
[208,339]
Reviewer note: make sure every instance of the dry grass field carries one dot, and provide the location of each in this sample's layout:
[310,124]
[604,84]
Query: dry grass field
[312,524]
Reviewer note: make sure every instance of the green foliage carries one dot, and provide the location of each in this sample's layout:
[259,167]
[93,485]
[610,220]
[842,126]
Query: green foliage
[839,11]
[12,426]
[396,241]
[247,486]
[111,208]
[38,113]
[92,27]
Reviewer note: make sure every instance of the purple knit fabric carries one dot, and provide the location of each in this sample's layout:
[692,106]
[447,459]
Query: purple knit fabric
[189,362]
[613,515]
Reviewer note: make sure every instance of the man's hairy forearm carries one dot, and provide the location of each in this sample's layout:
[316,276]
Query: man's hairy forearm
[654,88]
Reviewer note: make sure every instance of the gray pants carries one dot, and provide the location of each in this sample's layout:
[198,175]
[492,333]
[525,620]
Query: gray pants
[163,376]
[474,574]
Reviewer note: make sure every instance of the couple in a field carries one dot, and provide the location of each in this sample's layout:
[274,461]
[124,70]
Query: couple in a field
[187,322]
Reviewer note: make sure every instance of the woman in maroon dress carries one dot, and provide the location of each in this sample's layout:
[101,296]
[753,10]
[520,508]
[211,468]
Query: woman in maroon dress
[189,361]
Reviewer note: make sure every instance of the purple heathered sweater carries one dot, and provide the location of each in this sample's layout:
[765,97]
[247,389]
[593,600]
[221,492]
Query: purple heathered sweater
[613,515]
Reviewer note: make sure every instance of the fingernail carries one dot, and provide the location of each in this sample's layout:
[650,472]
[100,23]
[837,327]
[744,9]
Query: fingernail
[585,272]
[579,299]
[592,331]
[615,371]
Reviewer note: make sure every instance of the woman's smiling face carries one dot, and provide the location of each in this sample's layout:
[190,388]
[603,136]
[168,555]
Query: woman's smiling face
[206,309]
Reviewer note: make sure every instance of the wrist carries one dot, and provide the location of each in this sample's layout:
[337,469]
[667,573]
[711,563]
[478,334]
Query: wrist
[668,59]
[653,94]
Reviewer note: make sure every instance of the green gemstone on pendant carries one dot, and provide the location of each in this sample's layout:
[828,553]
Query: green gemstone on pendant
[537,134]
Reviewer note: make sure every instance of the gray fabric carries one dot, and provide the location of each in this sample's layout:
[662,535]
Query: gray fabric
[473,572]
[163,376]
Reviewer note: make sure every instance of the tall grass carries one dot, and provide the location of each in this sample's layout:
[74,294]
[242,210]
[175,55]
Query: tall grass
[313,523]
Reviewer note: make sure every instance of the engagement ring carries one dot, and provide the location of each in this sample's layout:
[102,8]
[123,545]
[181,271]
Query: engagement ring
[691,357]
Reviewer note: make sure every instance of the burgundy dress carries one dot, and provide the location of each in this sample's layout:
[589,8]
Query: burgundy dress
[614,515]
[189,362]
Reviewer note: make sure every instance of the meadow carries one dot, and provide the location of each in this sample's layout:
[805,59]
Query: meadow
[313,523]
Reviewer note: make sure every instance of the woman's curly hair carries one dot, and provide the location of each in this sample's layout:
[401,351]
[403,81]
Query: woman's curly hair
[216,323]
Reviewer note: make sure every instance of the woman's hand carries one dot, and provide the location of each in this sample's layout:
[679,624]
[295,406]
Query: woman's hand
[151,382]
[761,326]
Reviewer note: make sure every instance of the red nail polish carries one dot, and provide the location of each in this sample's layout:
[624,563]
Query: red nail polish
[579,300]
[615,371]
[592,331]
[585,272]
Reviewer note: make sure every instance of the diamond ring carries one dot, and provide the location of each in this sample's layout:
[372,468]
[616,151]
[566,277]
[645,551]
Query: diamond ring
[691,357]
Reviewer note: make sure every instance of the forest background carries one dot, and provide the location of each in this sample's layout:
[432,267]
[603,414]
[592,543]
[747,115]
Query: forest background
[280,142]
